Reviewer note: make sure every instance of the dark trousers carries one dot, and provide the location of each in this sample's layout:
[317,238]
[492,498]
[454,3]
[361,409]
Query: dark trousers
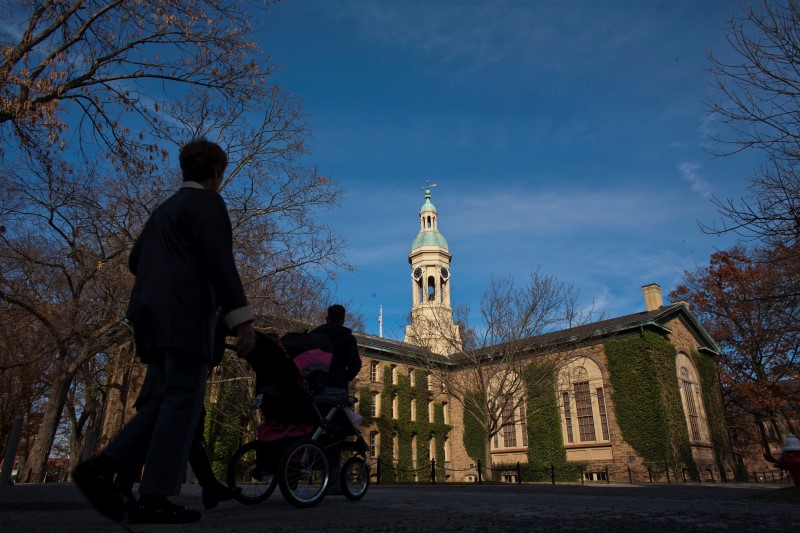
[161,433]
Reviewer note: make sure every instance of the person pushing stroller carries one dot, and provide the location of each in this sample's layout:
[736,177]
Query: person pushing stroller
[345,365]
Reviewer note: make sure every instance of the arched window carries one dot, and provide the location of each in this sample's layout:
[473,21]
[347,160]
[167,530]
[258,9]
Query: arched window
[691,399]
[431,289]
[582,401]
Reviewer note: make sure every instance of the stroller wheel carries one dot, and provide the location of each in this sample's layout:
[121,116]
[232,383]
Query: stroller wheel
[244,472]
[303,475]
[354,478]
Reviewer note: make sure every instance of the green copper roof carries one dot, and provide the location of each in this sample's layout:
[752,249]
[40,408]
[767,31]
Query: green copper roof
[429,238]
[428,205]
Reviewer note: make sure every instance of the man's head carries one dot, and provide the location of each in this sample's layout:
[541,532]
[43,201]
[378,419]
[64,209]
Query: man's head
[336,314]
[203,161]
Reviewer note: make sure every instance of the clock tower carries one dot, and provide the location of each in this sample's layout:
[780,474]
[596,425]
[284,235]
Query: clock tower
[431,315]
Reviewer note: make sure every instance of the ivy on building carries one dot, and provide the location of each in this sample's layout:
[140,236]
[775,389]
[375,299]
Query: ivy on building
[647,401]
[474,427]
[715,414]
[402,468]
[546,453]
[223,418]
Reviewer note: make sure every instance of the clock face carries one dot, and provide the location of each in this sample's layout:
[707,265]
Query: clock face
[417,273]
[445,273]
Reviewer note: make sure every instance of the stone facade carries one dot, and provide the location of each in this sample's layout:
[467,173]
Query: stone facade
[607,455]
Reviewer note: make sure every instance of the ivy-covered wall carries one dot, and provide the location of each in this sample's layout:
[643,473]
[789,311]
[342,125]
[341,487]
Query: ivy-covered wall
[715,413]
[647,400]
[474,429]
[223,420]
[402,469]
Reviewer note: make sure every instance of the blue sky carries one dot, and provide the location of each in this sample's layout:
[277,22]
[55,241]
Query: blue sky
[568,136]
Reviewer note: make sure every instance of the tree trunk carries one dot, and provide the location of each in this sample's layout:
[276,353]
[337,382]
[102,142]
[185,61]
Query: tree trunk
[36,463]
[488,474]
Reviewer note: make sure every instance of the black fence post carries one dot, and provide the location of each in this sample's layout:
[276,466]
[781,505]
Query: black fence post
[666,468]
[649,474]
[630,476]
[433,471]
[608,478]
[754,475]
[580,468]
[378,472]
[553,473]
[480,477]
[519,473]
[683,471]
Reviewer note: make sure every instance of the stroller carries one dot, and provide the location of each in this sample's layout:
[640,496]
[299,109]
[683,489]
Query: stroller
[307,439]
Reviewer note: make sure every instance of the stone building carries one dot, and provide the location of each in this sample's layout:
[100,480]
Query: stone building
[406,427]
[658,414]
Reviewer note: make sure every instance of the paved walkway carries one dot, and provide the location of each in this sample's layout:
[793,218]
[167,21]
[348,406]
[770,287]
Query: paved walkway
[59,507]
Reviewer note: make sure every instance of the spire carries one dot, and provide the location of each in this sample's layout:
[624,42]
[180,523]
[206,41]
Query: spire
[428,224]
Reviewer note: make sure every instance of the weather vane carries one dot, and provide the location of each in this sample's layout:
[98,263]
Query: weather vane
[428,184]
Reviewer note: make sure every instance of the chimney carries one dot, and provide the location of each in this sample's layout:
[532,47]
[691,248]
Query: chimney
[652,297]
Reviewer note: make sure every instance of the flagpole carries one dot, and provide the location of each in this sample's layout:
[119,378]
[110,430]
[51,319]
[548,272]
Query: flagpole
[380,322]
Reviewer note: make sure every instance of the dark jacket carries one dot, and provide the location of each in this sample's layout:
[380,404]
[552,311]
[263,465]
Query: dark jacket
[185,271]
[346,362]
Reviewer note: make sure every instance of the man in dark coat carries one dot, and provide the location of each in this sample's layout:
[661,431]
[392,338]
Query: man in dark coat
[185,272]
[345,362]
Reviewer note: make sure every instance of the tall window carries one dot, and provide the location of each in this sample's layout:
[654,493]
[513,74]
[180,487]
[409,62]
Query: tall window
[601,403]
[373,444]
[567,417]
[394,406]
[394,374]
[413,410]
[373,371]
[510,426]
[583,404]
[375,408]
[523,422]
[411,378]
[691,408]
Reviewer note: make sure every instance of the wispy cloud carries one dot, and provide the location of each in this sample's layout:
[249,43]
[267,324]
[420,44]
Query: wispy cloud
[476,35]
[689,172]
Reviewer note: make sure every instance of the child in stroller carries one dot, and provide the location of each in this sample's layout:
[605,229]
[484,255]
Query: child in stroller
[304,435]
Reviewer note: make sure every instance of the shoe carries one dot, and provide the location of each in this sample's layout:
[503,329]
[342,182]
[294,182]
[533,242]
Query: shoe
[97,484]
[162,511]
[218,492]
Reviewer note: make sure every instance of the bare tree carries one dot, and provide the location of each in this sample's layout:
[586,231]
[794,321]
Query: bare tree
[758,97]
[101,64]
[63,264]
[24,360]
[73,204]
[486,368]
